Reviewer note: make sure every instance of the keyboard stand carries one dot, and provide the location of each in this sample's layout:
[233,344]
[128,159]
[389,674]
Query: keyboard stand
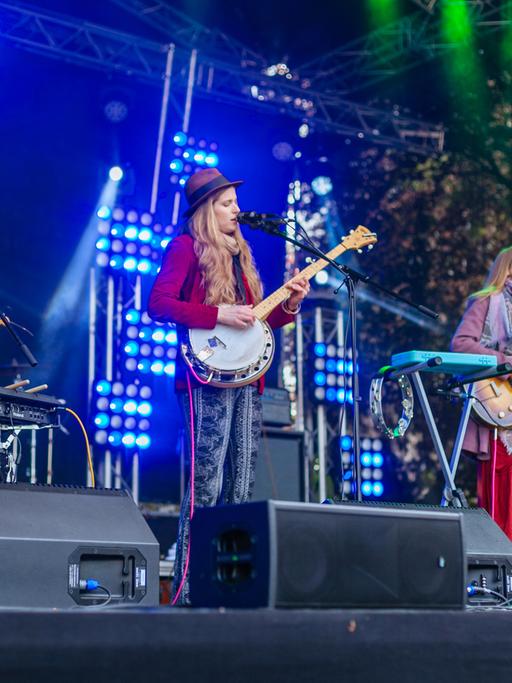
[452,496]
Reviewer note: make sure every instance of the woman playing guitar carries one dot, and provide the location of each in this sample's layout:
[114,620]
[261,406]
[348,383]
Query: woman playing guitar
[486,327]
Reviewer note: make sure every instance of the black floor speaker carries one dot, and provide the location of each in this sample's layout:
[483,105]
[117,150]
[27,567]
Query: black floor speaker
[280,466]
[53,539]
[489,559]
[279,554]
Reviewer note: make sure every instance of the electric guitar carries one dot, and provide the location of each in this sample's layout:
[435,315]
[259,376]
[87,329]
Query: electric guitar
[229,357]
[494,404]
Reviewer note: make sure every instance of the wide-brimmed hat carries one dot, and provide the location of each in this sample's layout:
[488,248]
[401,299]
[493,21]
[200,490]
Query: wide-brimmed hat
[202,184]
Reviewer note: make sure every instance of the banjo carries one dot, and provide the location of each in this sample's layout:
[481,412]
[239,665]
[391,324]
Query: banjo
[230,357]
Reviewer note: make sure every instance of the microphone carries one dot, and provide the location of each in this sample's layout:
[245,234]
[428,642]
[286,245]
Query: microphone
[253,219]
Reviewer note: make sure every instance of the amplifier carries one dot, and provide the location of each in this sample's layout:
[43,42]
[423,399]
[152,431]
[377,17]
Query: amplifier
[53,539]
[20,407]
[277,554]
[276,407]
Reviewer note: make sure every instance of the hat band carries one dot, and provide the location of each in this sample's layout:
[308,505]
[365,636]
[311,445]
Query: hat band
[219,181]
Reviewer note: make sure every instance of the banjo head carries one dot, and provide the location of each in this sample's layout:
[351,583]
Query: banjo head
[232,357]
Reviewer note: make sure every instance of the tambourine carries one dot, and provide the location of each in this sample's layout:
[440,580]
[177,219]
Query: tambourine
[407,403]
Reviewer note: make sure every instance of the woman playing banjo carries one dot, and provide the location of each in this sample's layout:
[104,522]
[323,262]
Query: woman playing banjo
[209,265]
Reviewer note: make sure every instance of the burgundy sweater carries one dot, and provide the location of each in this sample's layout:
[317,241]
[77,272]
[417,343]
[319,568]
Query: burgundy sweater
[467,340]
[178,297]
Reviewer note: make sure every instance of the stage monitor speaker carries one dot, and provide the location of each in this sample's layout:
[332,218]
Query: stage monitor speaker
[280,466]
[489,559]
[54,537]
[275,554]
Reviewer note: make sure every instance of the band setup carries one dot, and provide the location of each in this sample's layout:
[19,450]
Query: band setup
[247,445]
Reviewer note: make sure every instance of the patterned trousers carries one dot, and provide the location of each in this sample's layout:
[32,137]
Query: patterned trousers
[227,427]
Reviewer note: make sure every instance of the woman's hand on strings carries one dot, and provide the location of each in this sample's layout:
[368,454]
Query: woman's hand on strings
[237,316]
[299,288]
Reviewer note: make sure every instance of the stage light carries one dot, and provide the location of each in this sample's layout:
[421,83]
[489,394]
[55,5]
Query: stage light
[330,365]
[377,460]
[101,420]
[320,349]
[321,185]
[211,159]
[116,405]
[131,348]
[170,369]
[116,174]
[199,157]
[171,337]
[189,153]
[330,394]
[145,235]
[145,408]
[132,315]
[102,403]
[366,459]
[144,266]
[346,442]
[340,395]
[322,278]
[116,262]
[102,260]
[103,244]
[366,488]
[143,441]
[131,233]
[377,488]
[115,438]
[129,439]
[319,378]
[130,407]
[101,437]
[104,212]
[180,139]
[103,387]
[130,264]
[144,365]
[157,367]
[158,335]
[176,165]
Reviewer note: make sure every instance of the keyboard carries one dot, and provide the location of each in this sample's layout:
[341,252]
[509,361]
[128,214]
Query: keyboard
[452,363]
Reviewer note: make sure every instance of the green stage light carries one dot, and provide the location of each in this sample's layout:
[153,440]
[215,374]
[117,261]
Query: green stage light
[463,66]
[382,12]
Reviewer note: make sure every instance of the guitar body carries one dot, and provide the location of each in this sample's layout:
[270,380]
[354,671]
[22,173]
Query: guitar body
[494,404]
[229,357]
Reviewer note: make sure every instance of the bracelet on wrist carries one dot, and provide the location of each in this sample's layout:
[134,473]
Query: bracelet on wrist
[287,310]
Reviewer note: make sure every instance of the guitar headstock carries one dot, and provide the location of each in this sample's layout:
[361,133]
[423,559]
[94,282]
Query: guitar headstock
[359,238]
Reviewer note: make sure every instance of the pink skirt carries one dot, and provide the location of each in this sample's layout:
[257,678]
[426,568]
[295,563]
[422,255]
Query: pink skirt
[494,485]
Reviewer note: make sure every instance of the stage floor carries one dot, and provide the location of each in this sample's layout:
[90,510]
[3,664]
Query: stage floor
[173,644]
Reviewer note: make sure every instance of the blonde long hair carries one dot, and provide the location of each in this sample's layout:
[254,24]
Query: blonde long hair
[215,257]
[499,272]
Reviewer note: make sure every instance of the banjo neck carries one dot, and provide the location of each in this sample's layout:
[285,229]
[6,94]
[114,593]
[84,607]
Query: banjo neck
[360,237]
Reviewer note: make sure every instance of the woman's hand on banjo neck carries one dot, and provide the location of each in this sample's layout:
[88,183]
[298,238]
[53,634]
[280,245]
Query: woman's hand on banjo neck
[239,316]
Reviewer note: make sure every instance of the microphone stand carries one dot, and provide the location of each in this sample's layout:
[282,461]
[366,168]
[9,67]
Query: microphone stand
[23,347]
[351,279]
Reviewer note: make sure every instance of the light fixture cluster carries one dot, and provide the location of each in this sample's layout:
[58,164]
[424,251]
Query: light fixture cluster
[332,374]
[148,347]
[190,155]
[372,462]
[130,242]
[121,413]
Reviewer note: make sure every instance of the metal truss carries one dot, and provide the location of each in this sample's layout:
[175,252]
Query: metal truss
[102,48]
[187,33]
[395,47]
